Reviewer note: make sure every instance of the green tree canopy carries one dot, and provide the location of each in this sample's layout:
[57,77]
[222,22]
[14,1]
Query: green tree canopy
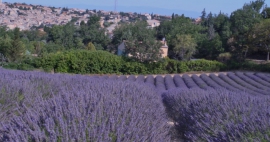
[179,26]
[184,46]
[266,12]
[140,41]
[12,48]
[242,21]
[261,35]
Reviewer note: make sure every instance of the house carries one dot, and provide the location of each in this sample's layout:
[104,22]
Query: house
[164,48]
[153,23]
[197,21]
[24,6]
[125,18]
[11,26]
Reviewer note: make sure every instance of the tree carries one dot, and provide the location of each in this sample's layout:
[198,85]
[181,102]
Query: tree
[37,47]
[211,32]
[90,46]
[266,12]
[51,48]
[140,41]
[92,32]
[179,26]
[222,27]
[184,46]
[94,21]
[16,52]
[261,35]
[5,44]
[211,48]
[173,16]
[82,23]
[12,48]
[210,20]
[242,22]
[203,17]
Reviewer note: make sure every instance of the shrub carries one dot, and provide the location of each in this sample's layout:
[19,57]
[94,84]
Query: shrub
[133,68]
[224,57]
[102,62]
[81,61]
[204,65]
[20,66]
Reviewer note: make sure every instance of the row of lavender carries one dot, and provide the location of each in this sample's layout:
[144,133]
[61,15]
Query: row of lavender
[37,106]
[253,83]
[218,115]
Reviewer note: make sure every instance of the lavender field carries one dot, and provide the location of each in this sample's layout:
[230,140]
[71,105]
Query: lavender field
[36,106]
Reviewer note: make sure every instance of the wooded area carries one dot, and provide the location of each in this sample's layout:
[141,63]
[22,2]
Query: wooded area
[230,39]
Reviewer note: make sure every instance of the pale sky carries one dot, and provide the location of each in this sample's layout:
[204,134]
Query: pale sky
[190,8]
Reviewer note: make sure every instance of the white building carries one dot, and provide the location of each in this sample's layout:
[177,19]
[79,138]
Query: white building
[153,23]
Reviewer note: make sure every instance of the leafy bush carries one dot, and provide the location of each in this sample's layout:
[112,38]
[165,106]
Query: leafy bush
[81,61]
[204,65]
[224,57]
[174,66]
[21,66]
[247,65]
[133,68]
[218,115]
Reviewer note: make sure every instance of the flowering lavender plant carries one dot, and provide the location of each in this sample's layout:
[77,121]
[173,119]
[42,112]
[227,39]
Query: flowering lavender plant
[45,107]
[218,115]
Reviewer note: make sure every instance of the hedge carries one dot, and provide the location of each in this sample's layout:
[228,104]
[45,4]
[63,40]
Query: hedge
[102,62]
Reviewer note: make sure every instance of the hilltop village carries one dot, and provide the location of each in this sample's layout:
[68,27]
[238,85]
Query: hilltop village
[26,16]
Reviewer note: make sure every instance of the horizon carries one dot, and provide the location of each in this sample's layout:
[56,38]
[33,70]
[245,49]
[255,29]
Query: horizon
[191,8]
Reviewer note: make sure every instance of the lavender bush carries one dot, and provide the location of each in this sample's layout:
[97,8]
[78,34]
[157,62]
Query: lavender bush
[43,107]
[263,76]
[218,115]
[140,79]
[132,78]
[252,82]
[200,82]
[228,80]
[245,84]
[189,82]
[257,79]
[222,83]
[179,82]
[169,83]
[210,81]
[159,83]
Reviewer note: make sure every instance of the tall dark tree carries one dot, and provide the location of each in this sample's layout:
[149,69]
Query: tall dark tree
[204,18]
[210,20]
[173,16]
[266,12]
[12,48]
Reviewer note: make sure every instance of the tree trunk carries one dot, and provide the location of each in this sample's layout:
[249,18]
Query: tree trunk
[246,53]
[267,56]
